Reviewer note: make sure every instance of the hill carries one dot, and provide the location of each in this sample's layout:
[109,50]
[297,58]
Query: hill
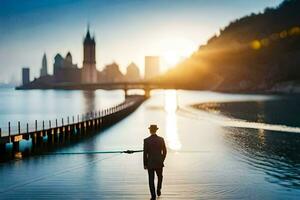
[253,53]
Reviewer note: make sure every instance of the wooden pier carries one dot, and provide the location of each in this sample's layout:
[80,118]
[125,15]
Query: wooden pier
[69,130]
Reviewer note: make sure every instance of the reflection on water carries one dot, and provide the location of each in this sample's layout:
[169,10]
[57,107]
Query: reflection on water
[261,136]
[274,153]
[89,100]
[170,106]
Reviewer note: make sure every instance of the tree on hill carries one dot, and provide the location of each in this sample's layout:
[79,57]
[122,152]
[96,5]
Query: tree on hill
[251,53]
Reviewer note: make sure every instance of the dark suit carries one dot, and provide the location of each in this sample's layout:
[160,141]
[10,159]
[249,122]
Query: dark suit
[154,155]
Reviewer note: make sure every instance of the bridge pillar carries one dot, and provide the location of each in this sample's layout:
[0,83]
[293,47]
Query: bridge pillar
[126,92]
[147,91]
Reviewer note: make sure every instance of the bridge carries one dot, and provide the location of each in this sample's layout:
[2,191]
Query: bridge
[65,130]
[147,86]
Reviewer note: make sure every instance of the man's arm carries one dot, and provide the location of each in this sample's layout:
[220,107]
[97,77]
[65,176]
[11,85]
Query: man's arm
[145,155]
[164,149]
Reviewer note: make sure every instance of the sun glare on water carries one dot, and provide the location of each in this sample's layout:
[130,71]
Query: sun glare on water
[173,140]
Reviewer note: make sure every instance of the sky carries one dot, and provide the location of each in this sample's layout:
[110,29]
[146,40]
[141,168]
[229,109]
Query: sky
[125,30]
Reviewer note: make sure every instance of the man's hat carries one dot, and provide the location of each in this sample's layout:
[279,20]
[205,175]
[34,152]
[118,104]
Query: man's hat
[153,127]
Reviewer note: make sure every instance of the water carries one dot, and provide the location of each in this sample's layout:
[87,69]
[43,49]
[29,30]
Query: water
[209,155]
[31,105]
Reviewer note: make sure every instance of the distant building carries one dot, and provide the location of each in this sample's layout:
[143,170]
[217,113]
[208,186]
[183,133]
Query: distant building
[151,66]
[25,75]
[58,64]
[68,62]
[44,69]
[89,71]
[132,73]
[111,73]
[65,70]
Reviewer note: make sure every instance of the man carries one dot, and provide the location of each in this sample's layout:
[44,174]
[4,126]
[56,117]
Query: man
[154,155]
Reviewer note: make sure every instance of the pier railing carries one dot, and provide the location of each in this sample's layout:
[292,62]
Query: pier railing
[68,127]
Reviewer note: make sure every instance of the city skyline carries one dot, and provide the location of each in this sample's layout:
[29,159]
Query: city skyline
[67,72]
[121,35]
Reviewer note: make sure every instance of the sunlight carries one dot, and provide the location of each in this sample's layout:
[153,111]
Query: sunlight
[171,58]
[173,141]
[170,101]
[174,50]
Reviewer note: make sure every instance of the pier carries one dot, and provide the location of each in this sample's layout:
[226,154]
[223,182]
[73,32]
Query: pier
[65,131]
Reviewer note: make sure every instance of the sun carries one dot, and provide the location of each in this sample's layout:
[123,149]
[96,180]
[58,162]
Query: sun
[174,50]
[171,58]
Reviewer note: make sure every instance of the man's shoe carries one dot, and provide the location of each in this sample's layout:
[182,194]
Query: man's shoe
[153,198]
[158,193]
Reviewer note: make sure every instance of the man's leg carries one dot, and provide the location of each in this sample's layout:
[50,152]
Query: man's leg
[159,173]
[151,182]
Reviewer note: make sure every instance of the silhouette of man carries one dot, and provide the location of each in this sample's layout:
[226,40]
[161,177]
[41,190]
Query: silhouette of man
[154,155]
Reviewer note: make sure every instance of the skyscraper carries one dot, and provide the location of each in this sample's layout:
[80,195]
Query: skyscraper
[89,71]
[25,75]
[44,69]
[151,66]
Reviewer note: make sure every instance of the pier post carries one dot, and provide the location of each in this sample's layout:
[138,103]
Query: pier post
[61,135]
[16,142]
[55,135]
[33,140]
[8,128]
[35,125]
[16,147]
[2,148]
[19,128]
[50,135]
[39,139]
[2,145]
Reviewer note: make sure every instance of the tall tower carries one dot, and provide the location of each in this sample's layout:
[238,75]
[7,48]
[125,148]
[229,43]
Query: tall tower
[44,69]
[89,71]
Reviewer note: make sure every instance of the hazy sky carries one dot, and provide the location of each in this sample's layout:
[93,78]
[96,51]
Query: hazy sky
[125,31]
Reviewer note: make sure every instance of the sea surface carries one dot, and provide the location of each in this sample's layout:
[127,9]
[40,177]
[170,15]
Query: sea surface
[220,146]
